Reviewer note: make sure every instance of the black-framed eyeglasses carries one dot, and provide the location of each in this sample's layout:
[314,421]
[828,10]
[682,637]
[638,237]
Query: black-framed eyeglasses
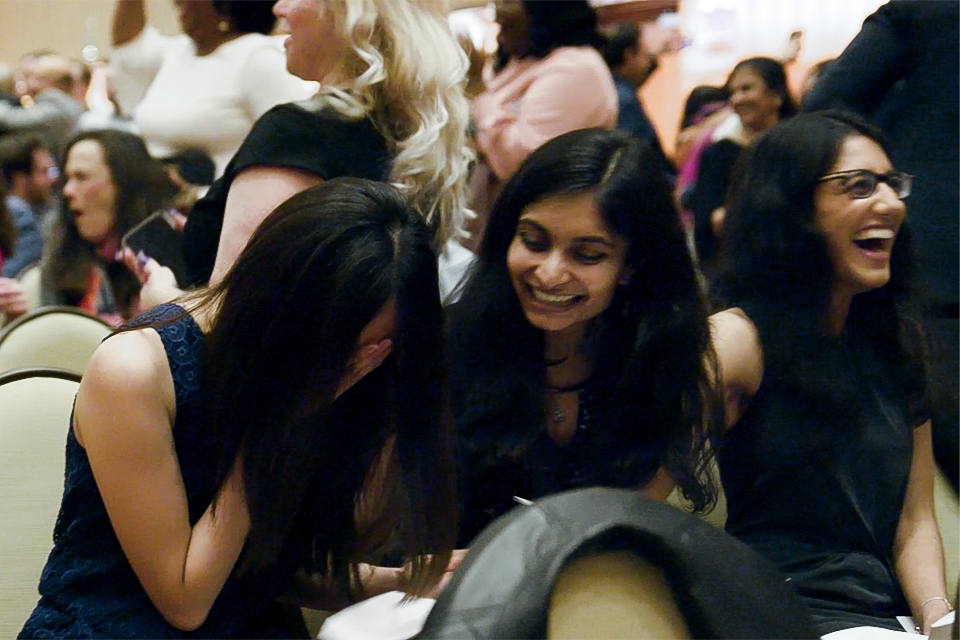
[863,183]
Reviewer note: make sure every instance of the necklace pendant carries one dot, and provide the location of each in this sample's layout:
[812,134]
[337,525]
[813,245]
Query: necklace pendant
[557,414]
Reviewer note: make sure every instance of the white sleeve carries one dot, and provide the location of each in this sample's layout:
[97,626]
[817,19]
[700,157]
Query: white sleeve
[265,81]
[135,64]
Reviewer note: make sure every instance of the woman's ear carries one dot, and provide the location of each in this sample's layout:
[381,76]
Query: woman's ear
[625,276]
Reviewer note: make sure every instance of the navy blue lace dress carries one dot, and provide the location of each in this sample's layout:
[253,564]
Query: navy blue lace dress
[89,590]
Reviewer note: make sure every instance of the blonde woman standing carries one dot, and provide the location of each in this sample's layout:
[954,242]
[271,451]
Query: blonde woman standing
[391,107]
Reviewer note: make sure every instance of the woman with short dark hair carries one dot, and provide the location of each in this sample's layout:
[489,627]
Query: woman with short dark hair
[580,345]
[203,89]
[826,461]
[550,79]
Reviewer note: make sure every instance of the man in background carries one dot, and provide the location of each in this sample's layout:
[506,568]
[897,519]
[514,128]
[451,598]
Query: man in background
[631,65]
[29,173]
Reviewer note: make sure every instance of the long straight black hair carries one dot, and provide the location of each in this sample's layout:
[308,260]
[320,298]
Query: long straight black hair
[653,340]
[777,265]
[288,316]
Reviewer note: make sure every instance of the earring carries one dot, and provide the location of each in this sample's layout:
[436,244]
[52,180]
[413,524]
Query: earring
[223,26]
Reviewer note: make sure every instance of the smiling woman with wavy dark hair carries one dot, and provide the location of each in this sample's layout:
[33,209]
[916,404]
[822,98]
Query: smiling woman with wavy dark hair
[580,345]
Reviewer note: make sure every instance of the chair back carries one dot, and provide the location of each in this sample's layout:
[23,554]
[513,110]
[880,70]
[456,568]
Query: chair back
[30,281]
[35,407]
[504,585]
[60,337]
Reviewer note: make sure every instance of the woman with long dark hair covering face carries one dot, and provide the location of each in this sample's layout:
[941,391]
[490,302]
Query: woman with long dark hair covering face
[826,461]
[291,421]
[580,345]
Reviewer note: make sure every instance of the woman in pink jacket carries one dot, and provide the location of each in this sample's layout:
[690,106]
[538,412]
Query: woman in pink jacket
[550,79]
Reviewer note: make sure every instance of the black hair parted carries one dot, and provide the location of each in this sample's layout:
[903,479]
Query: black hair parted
[653,339]
[771,249]
[289,313]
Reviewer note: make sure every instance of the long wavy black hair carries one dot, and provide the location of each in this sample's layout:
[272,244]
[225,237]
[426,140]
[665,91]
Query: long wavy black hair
[776,265]
[653,345]
[288,316]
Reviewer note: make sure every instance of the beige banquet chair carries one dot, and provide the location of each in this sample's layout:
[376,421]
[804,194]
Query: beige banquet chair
[62,337]
[35,406]
[30,281]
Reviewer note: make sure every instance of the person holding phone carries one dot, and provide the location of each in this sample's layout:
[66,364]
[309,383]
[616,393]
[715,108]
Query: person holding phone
[261,438]
[112,184]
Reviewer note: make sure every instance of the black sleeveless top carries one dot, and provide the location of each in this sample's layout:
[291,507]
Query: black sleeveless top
[489,491]
[88,588]
[821,498]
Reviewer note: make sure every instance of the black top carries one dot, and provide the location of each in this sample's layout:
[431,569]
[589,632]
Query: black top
[545,468]
[296,136]
[709,192]
[821,497]
[88,588]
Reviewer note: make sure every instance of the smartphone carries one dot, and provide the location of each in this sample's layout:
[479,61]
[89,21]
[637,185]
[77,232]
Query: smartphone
[158,238]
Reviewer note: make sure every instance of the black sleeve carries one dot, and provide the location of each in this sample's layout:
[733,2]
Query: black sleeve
[710,190]
[870,65]
[325,144]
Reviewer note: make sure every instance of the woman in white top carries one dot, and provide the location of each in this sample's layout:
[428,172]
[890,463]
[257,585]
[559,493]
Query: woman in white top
[203,89]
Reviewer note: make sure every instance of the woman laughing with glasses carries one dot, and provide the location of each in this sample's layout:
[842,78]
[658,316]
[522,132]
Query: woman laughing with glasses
[826,461]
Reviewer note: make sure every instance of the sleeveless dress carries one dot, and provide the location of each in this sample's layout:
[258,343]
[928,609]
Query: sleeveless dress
[822,499]
[547,468]
[88,588]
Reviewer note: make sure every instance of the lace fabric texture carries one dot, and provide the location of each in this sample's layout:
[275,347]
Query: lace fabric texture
[88,588]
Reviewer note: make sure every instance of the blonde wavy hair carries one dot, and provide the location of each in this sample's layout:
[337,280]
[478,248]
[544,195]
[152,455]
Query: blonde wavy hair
[407,72]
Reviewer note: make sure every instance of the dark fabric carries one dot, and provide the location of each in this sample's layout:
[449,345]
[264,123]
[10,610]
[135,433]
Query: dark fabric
[546,468]
[294,136]
[821,497]
[633,119]
[709,192]
[29,245]
[502,589]
[88,588]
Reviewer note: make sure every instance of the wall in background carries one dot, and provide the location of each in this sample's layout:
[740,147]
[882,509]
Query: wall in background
[66,26]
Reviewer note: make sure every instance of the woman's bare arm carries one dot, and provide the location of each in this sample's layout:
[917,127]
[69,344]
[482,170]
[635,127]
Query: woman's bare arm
[124,415]
[917,549]
[253,194]
[129,20]
[740,359]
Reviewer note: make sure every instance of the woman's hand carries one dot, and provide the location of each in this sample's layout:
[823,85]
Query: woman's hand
[13,300]
[158,284]
[455,560]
